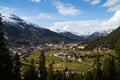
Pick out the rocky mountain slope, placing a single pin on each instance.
(19, 32)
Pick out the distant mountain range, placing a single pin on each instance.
(19, 32)
(99, 34)
(85, 37)
(73, 36)
(108, 41)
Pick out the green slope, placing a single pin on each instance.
(108, 41)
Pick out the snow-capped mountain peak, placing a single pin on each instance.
(12, 18)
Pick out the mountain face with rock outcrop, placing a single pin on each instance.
(19, 32)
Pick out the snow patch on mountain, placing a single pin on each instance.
(15, 20)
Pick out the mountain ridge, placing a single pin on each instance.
(20, 32)
(108, 41)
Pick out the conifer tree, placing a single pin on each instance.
(117, 49)
(31, 73)
(58, 75)
(109, 72)
(98, 70)
(17, 65)
(6, 64)
(42, 67)
(105, 69)
(50, 72)
(89, 75)
(98, 64)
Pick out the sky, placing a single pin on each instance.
(78, 16)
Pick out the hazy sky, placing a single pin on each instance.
(78, 16)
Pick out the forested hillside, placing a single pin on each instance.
(108, 41)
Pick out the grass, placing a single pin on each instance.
(50, 58)
(77, 66)
(74, 65)
(34, 55)
(58, 63)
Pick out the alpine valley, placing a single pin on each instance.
(19, 32)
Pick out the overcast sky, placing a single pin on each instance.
(78, 16)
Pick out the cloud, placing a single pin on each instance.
(93, 2)
(45, 16)
(113, 22)
(87, 26)
(87, 0)
(28, 18)
(66, 9)
(110, 3)
(39, 16)
(114, 8)
(36, 1)
(6, 10)
(113, 5)
(65, 28)
(79, 27)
